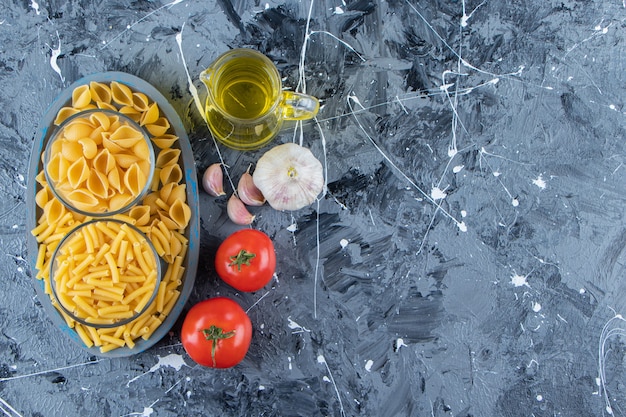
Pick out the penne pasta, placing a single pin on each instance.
(121, 254)
(170, 304)
(118, 240)
(143, 301)
(128, 339)
(109, 347)
(152, 326)
(115, 273)
(105, 295)
(104, 249)
(93, 333)
(41, 256)
(160, 298)
(84, 336)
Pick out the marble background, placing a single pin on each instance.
(466, 258)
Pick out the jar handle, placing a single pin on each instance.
(298, 106)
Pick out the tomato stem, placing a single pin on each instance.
(242, 258)
(215, 334)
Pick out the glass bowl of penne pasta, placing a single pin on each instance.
(99, 162)
(104, 275)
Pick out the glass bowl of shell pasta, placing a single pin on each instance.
(99, 162)
(105, 279)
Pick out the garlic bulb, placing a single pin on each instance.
(289, 176)
(237, 211)
(248, 193)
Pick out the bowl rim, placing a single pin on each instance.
(119, 323)
(52, 184)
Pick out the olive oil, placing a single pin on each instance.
(245, 90)
(245, 105)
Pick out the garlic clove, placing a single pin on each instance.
(213, 180)
(248, 193)
(237, 211)
(289, 176)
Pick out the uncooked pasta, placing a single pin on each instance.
(115, 172)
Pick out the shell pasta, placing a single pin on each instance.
(107, 274)
(98, 162)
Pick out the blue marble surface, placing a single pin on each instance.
(467, 257)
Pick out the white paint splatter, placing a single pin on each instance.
(356, 100)
(536, 307)
(351, 99)
(446, 87)
(130, 26)
(539, 182)
(612, 328)
(292, 324)
(496, 174)
(6, 407)
(295, 326)
(403, 109)
(47, 371)
(539, 397)
(321, 359)
(196, 98)
(292, 227)
(463, 213)
(467, 17)
(53, 59)
(400, 343)
(172, 360)
(519, 280)
(147, 412)
(515, 202)
(462, 226)
(344, 242)
(35, 6)
(190, 84)
(338, 10)
(368, 365)
(458, 168)
(437, 194)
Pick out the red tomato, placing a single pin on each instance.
(246, 260)
(216, 333)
